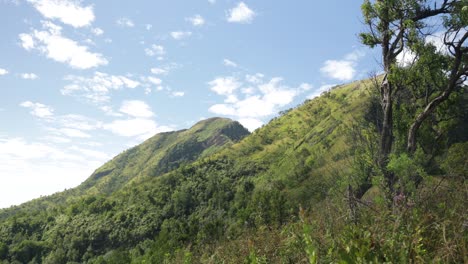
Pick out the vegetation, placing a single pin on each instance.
(335, 180)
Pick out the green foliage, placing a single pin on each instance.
(240, 203)
(455, 163)
(408, 170)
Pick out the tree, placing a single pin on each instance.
(454, 45)
(390, 24)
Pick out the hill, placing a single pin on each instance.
(162, 153)
(157, 155)
(278, 195)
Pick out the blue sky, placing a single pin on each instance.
(82, 81)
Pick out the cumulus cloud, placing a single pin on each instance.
(229, 63)
(250, 123)
(241, 14)
(178, 35)
(62, 127)
(159, 71)
(3, 72)
(96, 89)
(97, 31)
(178, 94)
(27, 41)
(141, 128)
(125, 22)
(255, 78)
(254, 102)
(196, 20)
(41, 168)
(154, 80)
(136, 108)
(224, 85)
(38, 109)
(78, 122)
(155, 50)
(73, 133)
(91, 153)
(67, 11)
(165, 69)
(29, 76)
(343, 70)
(53, 45)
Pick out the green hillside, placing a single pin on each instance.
(279, 195)
(157, 155)
(162, 153)
(282, 163)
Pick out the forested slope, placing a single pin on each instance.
(280, 195)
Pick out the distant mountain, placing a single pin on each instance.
(157, 155)
(162, 153)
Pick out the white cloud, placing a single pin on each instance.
(125, 22)
(137, 127)
(38, 109)
(196, 20)
(78, 122)
(97, 31)
(254, 79)
(148, 26)
(229, 63)
(355, 55)
(165, 69)
(37, 168)
(96, 89)
(261, 101)
(159, 71)
(339, 69)
(178, 35)
(27, 41)
(305, 86)
(3, 72)
(155, 81)
(155, 50)
(241, 14)
(73, 133)
(29, 76)
(91, 153)
(223, 109)
(250, 123)
(345, 69)
(224, 85)
(406, 58)
(68, 12)
(136, 108)
(212, 1)
(53, 45)
(178, 94)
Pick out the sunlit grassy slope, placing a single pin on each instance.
(260, 181)
(162, 153)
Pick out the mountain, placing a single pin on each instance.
(162, 153)
(157, 155)
(278, 195)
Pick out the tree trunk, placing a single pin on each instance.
(386, 136)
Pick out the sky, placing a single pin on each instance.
(83, 81)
